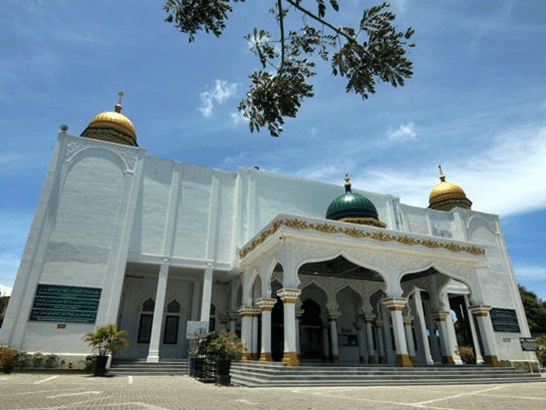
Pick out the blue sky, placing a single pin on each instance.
(476, 103)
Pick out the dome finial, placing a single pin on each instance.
(442, 176)
(118, 107)
(347, 182)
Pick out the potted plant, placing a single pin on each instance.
(106, 340)
(221, 348)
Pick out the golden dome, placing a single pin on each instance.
(112, 126)
(447, 195)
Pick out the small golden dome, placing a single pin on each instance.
(447, 195)
(112, 126)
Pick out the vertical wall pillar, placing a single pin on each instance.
(266, 306)
(481, 313)
(299, 312)
(233, 316)
(289, 298)
(382, 356)
(475, 340)
(155, 340)
(361, 328)
(332, 318)
(408, 320)
(255, 355)
(445, 345)
(422, 327)
(369, 338)
(207, 293)
(325, 337)
(246, 331)
(396, 306)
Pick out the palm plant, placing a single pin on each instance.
(107, 339)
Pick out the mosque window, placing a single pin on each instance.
(172, 319)
(146, 319)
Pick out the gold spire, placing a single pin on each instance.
(442, 176)
(118, 106)
(347, 182)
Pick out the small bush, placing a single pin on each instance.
(6, 359)
(22, 359)
(37, 359)
(51, 361)
(466, 353)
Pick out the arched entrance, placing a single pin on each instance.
(311, 331)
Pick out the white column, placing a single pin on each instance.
(408, 320)
(246, 331)
(453, 340)
(289, 298)
(481, 313)
(445, 345)
(332, 318)
(475, 340)
(361, 329)
(381, 353)
(254, 343)
(207, 293)
(396, 306)
(299, 312)
(369, 337)
(422, 327)
(233, 316)
(266, 306)
(157, 323)
(325, 337)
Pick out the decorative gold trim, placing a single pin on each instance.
(290, 359)
(492, 360)
(448, 360)
(403, 360)
(356, 233)
(371, 359)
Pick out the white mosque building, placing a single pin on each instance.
(304, 271)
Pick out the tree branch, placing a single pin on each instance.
(281, 24)
(317, 18)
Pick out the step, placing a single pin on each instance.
(260, 374)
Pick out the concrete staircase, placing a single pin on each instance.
(139, 367)
(259, 374)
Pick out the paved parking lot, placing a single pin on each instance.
(44, 391)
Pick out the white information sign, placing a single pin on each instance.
(195, 329)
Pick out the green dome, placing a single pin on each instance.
(352, 207)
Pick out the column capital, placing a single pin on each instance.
(441, 315)
(480, 310)
(299, 312)
(367, 317)
(224, 318)
(266, 304)
(233, 315)
(395, 304)
(248, 311)
(289, 295)
(408, 320)
(331, 316)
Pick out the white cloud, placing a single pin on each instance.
(221, 92)
(405, 132)
(506, 179)
(238, 118)
(530, 272)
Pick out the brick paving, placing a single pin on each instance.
(46, 391)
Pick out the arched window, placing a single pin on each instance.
(146, 319)
(172, 319)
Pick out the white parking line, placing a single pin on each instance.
(73, 394)
(46, 380)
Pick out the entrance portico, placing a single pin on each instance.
(367, 260)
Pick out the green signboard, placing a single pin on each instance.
(65, 304)
(504, 320)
